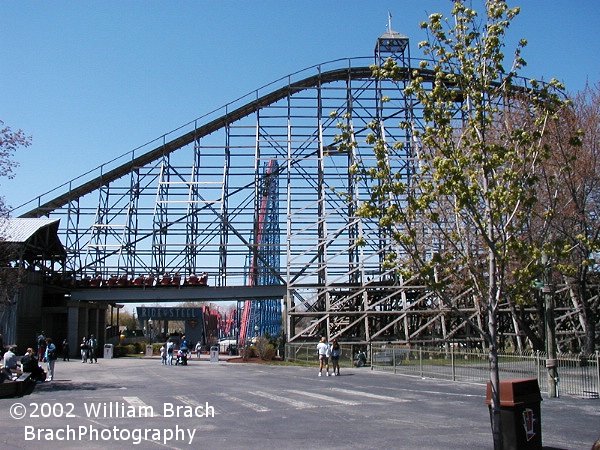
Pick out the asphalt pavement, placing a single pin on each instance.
(140, 404)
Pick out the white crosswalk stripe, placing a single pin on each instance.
(295, 403)
(139, 404)
(187, 400)
(337, 396)
(369, 395)
(326, 398)
(245, 403)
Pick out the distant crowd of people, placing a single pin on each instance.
(89, 349)
(46, 352)
(30, 360)
(172, 354)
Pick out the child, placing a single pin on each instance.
(163, 355)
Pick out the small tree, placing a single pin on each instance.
(10, 141)
(458, 220)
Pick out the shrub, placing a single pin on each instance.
(124, 350)
(140, 347)
(264, 349)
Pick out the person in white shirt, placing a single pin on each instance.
(323, 352)
(170, 350)
(10, 363)
(163, 355)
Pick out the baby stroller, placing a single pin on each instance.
(181, 358)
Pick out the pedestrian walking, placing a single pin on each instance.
(84, 350)
(41, 345)
(336, 352)
(198, 349)
(170, 348)
(92, 344)
(66, 350)
(50, 357)
(323, 353)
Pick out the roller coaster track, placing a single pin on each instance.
(344, 302)
(203, 130)
(347, 73)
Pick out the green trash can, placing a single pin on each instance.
(520, 413)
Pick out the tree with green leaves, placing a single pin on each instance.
(571, 185)
(458, 221)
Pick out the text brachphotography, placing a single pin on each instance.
(93, 433)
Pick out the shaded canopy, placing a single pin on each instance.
(31, 240)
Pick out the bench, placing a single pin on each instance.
(23, 385)
(26, 384)
(8, 389)
(24, 377)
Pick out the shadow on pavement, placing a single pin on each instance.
(68, 385)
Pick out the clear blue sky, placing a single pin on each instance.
(90, 80)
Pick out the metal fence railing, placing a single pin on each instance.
(578, 376)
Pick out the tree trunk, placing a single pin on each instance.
(590, 330)
(494, 379)
(493, 293)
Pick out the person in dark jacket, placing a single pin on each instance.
(336, 352)
(66, 350)
(41, 346)
(29, 363)
(92, 344)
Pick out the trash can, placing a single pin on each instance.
(214, 353)
(108, 351)
(520, 413)
(149, 351)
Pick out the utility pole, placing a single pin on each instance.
(548, 293)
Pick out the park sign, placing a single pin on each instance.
(168, 313)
